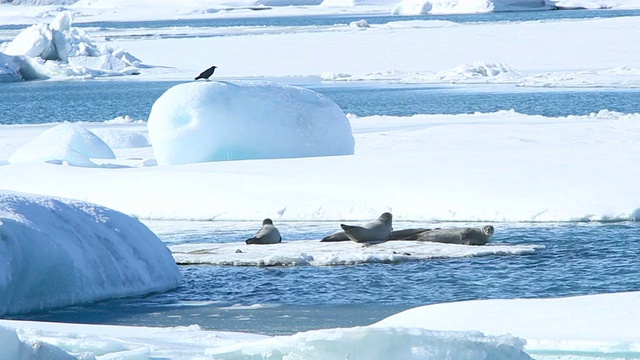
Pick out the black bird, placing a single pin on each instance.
(206, 74)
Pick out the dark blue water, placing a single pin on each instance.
(263, 19)
(578, 259)
(55, 101)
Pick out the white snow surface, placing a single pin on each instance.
(64, 143)
(501, 166)
(604, 325)
(581, 327)
(214, 120)
(316, 253)
(418, 7)
(57, 252)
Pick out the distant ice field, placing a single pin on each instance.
(573, 258)
(97, 101)
(263, 19)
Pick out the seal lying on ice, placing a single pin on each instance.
(464, 236)
(405, 234)
(268, 234)
(374, 232)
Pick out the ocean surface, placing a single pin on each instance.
(38, 102)
(263, 19)
(577, 258)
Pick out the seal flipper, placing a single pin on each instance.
(251, 241)
(407, 234)
(350, 231)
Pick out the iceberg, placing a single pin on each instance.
(57, 252)
(9, 69)
(238, 120)
(58, 49)
(64, 143)
(419, 7)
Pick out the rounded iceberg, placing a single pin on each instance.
(238, 120)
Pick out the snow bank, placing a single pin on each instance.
(62, 50)
(376, 343)
(478, 72)
(418, 7)
(399, 157)
(121, 139)
(602, 326)
(235, 120)
(64, 143)
(592, 326)
(57, 252)
(316, 253)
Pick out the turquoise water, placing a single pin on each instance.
(577, 259)
(55, 101)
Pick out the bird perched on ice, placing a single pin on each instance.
(206, 74)
(268, 234)
(374, 232)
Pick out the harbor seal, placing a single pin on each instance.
(374, 232)
(464, 236)
(268, 234)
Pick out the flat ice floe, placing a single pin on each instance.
(492, 167)
(316, 253)
(623, 77)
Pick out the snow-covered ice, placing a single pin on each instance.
(212, 121)
(417, 7)
(604, 325)
(61, 252)
(501, 166)
(9, 69)
(582, 327)
(60, 50)
(316, 253)
(64, 143)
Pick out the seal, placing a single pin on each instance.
(463, 236)
(268, 234)
(405, 234)
(374, 232)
